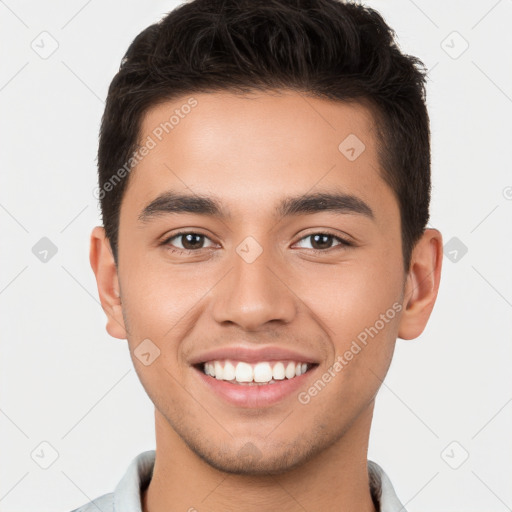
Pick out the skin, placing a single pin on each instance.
(250, 152)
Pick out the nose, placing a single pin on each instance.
(253, 294)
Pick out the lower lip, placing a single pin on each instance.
(258, 395)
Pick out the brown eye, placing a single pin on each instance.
(324, 241)
(321, 241)
(190, 241)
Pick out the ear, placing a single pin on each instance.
(105, 270)
(422, 284)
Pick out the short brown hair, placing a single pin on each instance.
(324, 48)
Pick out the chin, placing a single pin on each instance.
(251, 461)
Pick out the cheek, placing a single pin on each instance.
(160, 300)
(359, 307)
(158, 306)
(350, 298)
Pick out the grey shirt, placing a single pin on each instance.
(127, 494)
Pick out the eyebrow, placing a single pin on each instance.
(340, 203)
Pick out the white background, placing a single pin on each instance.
(66, 382)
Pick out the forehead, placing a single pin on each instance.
(252, 148)
(286, 120)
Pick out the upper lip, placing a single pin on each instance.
(252, 355)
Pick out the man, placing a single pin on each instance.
(264, 177)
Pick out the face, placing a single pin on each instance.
(255, 266)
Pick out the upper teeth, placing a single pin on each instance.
(259, 372)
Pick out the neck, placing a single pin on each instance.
(337, 479)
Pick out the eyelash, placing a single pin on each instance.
(343, 242)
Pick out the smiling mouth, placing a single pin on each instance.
(254, 374)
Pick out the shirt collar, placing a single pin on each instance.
(127, 494)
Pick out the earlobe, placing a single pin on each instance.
(105, 270)
(422, 284)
